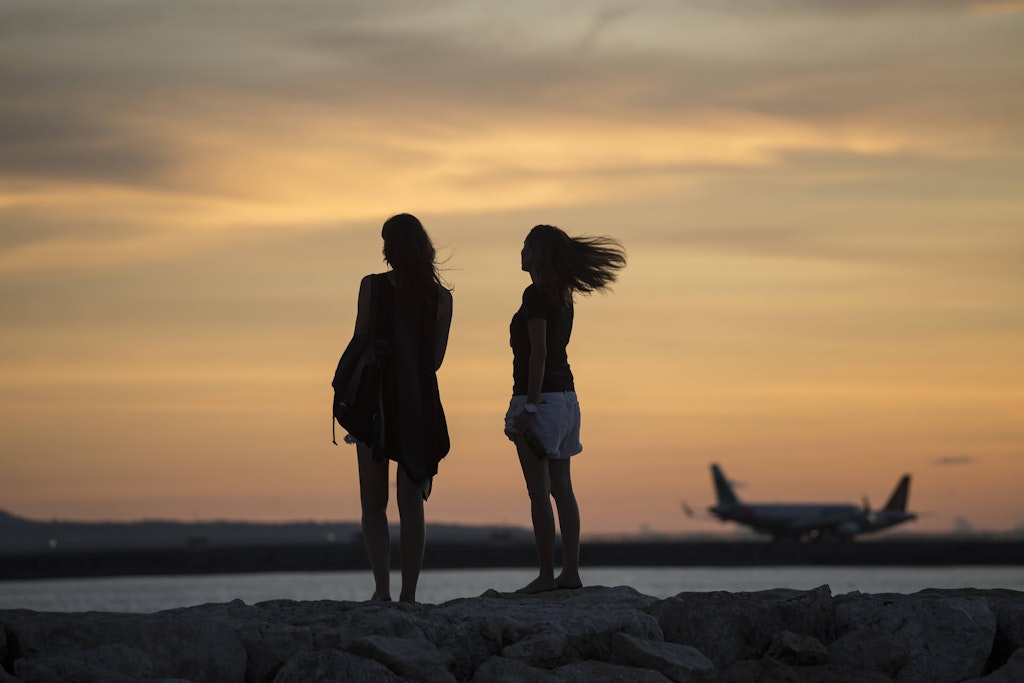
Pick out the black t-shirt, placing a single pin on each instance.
(557, 375)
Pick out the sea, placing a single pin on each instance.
(146, 594)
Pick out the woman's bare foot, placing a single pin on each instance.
(569, 580)
(541, 584)
(379, 596)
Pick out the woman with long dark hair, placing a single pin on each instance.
(413, 316)
(543, 418)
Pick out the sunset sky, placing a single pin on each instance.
(822, 205)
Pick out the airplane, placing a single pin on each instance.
(808, 520)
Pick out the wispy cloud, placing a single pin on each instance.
(955, 460)
(142, 131)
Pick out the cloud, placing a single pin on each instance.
(604, 20)
(997, 6)
(460, 62)
(207, 117)
(955, 460)
(64, 144)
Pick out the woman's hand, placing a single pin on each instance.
(520, 424)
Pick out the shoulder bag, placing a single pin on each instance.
(358, 399)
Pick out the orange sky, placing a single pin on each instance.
(821, 206)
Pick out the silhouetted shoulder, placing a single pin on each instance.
(364, 304)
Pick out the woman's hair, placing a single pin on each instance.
(566, 265)
(410, 253)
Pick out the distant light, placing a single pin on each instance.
(52, 543)
(331, 538)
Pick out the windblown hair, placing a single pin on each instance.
(567, 265)
(411, 255)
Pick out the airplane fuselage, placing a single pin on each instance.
(789, 520)
(808, 520)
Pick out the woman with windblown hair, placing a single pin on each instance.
(414, 313)
(543, 418)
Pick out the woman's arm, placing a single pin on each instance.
(444, 324)
(364, 303)
(538, 331)
(537, 328)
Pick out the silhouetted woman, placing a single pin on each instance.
(543, 417)
(414, 313)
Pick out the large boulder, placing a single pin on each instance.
(1008, 606)
(413, 658)
(502, 670)
(333, 665)
(603, 672)
(679, 663)
(947, 639)
(95, 646)
(770, 670)
(797, 648)
(1011, 672)
(728, 627)
(545, 649)
(878, 651)
(522, 627)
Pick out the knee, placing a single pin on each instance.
(373, 502)
(410, 502)
(410, 496)
(539, 492)
(562, 492)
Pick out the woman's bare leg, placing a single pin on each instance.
(568, 522)
(535, 472)
(413, 536)
(373, 494)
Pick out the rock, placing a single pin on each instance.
(770, 670)
(98, 646)
(797, 648)
(333, 665)
(593, 634)
(116, 663)
(415, 659)
(761, 670)
(1011, 672)
(501, 670)
(869, 650)
(546, 650)
(471, 630)
(1008, 606)
(603, 672)
(728, 627)
(680, 663)
(269, 639)
(947, 639)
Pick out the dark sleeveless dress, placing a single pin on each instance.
(415, 429)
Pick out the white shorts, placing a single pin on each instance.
(556, 424)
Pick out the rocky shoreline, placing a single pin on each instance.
(593, 634)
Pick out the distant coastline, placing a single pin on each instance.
(449, 555)
(59, 549)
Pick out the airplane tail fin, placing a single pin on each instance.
(722, 488)
(898, 500)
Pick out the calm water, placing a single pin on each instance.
(151, 594)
